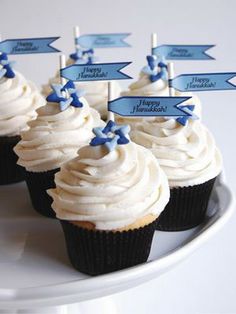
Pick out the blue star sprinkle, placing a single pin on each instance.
(77, 55)
(152, 68)
(6, 67)
(83, 56)
(188, 109)
(111, 136)
(91, 58)
(66, 95)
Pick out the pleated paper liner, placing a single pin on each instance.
(38, 183)
(187, 207)
(10, 172)
(95, 252)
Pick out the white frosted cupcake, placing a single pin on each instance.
(62, 126)
(190, 159)
(19, 100)
(96, 92)
(108, 200)
(184, 148)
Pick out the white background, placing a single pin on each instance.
(206, 282)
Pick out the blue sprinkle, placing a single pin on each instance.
(111, 135)
(58, 95)
(183, 120)
(153, 65)
(6, 70)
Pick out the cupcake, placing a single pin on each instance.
(189, 157)
(153, 82)
(96, 92)
(19, 99)
(108, 200)
(185, 150)
(63, 125)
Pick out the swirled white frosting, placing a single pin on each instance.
(55, 136)
(187, 154)
(19, 99)
(144, 87)
(96, 93)
(111, 190)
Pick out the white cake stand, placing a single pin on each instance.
(35, 273)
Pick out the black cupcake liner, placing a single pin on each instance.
(187, 207)
(10, 172)
(38, 183)
(96, 252)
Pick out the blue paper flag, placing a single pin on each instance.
(28, 45)
(203, 81)
(102, 40)
(183, 52)
(95, 72)
(149, 106)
